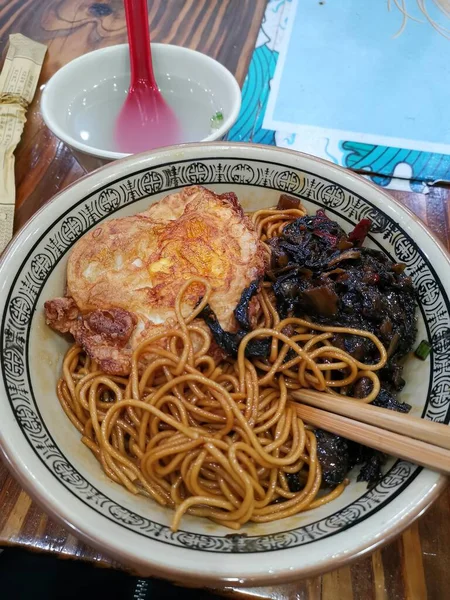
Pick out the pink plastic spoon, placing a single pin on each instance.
(146, 121)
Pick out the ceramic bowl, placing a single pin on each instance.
(44, 449)
(80, 103)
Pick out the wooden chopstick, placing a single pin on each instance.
(437, 434)
(395, 444)
(421, 453)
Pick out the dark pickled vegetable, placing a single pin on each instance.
(352, 287)
(387, 400)
(333, 455)
(241, 312)
(371, 469)
(391, 375)
(294, 482)
(337, 456)
(322, 299)
(321, 273)
(312, 241)
(358, 235)
(287, 202)
(229, 342)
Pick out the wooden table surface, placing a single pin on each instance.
(416, 565)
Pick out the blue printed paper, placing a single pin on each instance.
(330, 78)
(344, 71)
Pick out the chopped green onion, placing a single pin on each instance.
(216, 120)
(423, 350)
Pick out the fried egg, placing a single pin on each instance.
(137, 265)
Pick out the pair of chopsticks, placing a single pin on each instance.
(417, 440)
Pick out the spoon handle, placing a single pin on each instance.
(136, 14)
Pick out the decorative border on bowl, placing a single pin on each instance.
(85, 214)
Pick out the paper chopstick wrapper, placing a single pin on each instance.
(18, 81)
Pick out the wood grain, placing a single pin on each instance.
(413, 571)
(415, 566)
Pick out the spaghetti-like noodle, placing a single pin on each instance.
(271, 222)
(440, 5)
(217, 439)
